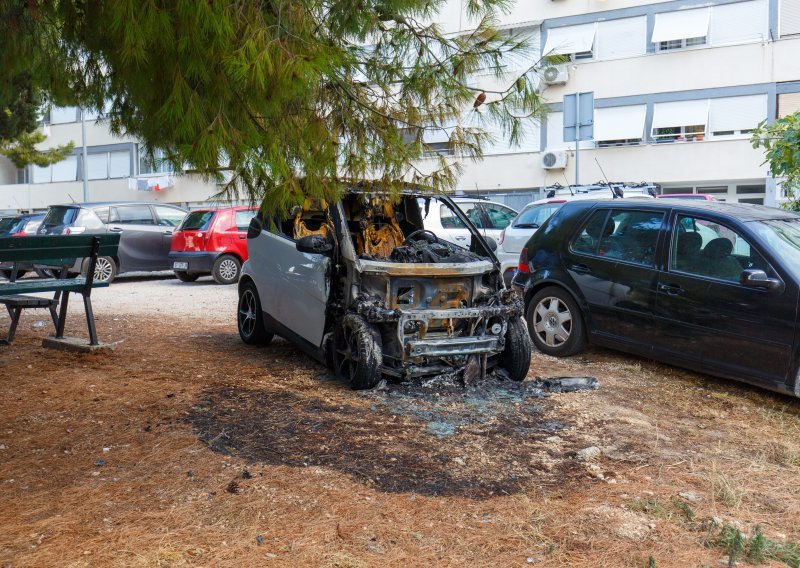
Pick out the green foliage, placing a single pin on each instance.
(756, 548)
(279, 91)
(22, 150)
(781, 142)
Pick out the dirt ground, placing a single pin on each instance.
(184, 447)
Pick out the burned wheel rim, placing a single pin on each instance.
(228, 269)
(347, 354)
(247, 313)
(552, 321)
(103, 269)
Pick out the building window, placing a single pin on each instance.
(619, 126)
(680, 121)
(159, 165)
(433, 149)
(575, 41)
(681, 29)
(63, 115)
(65, 170)
(109, 165)
(736, 116)
(681, 43)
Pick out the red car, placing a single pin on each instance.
(211, 241)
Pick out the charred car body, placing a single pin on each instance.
(362, 286)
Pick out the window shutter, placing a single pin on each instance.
(739, 22)
(788, 103)
(625, 37)
(680, 113)
(119, 164)
(681, 24)
(737, 113)
(619, 123)
(66, 170)
(98, 166)
(569, 39)
(790, 17)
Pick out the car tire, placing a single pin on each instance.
(105, 269)
(7, 273)
(358, 353)
(226, 269)
(516, 357)
(250, 317)
(184, 276)
(555, 323)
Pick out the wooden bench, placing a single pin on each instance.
(59, 252)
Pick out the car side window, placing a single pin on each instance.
(706, 247)
(169, 217)
(631, 236)
(626, 235)
(449, 219)
(102, 213)
(132, 215)
(588, 239)
(243, 219)
(499, 215)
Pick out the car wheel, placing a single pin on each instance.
(184, 276)
(358, 352)
(7, 274)
(250, 318)
(555, 323)
(105, 269)
(226, 269)
(516, 357)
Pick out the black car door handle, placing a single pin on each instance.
(580, 268)
(671, 289)
(168, 233)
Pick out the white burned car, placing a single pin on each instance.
(364, 286)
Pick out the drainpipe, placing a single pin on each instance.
(85, 163)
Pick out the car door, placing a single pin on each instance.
(169, 219)
(242, 220)
(293, 286)
(707, 317)
(612, 260)
(140, 242)
(453, 229)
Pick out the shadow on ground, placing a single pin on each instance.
(435, 439)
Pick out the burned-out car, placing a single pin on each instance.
(363, 286)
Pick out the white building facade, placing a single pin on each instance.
(678, 87)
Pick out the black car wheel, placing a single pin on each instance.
(555, 323)
(516, 356)
(184, 276)
(250, 318)
(358, 353)
(226, 269)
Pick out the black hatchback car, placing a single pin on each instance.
(705, 285)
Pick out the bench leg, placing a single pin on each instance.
(87, 303)
(52, 309)
(62, 316)
(15, 313)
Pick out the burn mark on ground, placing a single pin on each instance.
(441, 439)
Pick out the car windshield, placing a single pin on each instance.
(782, 237)
(536, 215)
(58, 216)
(197, 221)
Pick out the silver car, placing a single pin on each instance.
(365, 286)
(145, 233)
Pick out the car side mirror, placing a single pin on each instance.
(491, 242)
(314, 244)
(756, 278)
(254, 228)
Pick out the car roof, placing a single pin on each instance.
(92, 204)
(232, 208)
(741, 211)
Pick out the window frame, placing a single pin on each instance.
(673, 243)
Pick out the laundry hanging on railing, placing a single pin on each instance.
(156, 183)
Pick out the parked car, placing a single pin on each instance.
(488, 217)
(706, 285)
(19, 226)
(211, 241)
(145, 233)
(514, 237)
(698, 196)
(365, 286)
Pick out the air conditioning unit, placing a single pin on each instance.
(554, 159)
(555, 75)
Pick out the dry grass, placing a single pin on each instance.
(662, 432)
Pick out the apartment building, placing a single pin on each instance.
(678, 88)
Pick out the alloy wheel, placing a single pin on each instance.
(103, 269)
(247, 313)
(552, 321)
(228, 269)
